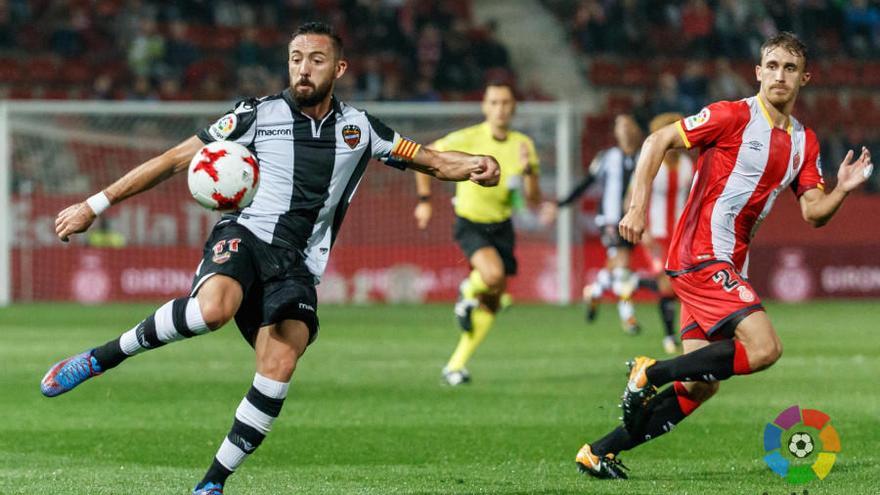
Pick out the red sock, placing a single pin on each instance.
(740, 359)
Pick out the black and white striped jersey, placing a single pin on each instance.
(309, 169)
(613, 169)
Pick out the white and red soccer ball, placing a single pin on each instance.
(223, 175)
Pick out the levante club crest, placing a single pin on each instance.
(351, 134)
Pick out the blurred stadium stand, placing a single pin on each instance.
(426, 50)
(648, 57)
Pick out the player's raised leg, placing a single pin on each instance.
(755, 347)
(665, 410)
(489, 272)
(185, 317)
(278, 348)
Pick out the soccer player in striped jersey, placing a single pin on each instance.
(613, 169)
(261, 264)
(751, 151)
(483, 228)
(669, 194)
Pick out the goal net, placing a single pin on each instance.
(146, 248)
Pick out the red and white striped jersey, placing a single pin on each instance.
(669, 193)
(745, 163)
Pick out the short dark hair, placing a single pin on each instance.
(500, 83)
(789, 41)
(323, 29)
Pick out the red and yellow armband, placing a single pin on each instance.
(405, 150)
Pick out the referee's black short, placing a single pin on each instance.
(276, 283)
(472, 236)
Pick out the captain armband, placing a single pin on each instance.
(405, 150)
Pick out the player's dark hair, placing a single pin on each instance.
(322, 29)
(500, 83)
(789, 41)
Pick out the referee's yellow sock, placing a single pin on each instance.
(469, 341)
(473, 286)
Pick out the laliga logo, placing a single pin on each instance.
(800, 445)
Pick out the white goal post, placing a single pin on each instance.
(52, 153)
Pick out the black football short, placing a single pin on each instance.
(611, 238)
(276, 283)
(472, 236)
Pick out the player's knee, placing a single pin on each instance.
(215, 313)
(494, 279)
(764, 356)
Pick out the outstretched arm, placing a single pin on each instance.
(78, 217)
(457, 166)
(817, 208)
(651, 157)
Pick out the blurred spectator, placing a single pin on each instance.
(667, 98)
(693, 87)
(630, 27)
(731, 20)
(489, 51)
(370, 80)
(146, 50)
(141, 89)
(179, 50)
(249, 52)
(590, 27)
(727, 84)
(862, 22)
(424, 91)
(102, 88)
(697, 22)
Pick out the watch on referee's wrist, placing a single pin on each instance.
(424, 198)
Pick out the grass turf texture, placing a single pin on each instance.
(367, 413)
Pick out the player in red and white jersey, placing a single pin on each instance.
(750, 152)
(669, 194)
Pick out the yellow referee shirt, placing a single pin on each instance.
(515, 154)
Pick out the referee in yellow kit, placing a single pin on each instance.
(483, 228)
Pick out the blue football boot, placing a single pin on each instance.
(64, 375)
(208, 489)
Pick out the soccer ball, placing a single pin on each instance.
(223, 176)
(800, 445)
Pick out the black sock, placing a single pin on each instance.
(664, 413)
(612, 443)
(711, 363)
(667, 313)
(109, 355)
(216, 474)
(648, 283)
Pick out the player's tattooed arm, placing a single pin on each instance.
(457, 166)
(817, 207)
(78, 217)
(651, 157)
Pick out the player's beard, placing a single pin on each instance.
(316, 96)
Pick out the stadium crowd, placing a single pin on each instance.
(652, 57)
(426, 50)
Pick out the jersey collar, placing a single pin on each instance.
(766, 113)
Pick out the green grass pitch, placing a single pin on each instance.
(367, 413)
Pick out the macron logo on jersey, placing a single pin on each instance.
(697, 120)
(274, 131)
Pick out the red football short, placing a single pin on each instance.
(714, 299)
